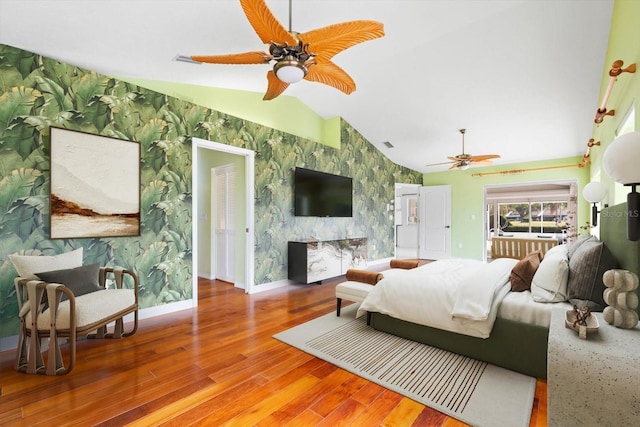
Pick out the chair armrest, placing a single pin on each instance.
(31, 299)
(119, 274)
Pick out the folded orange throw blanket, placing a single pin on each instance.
(403, 263)
(364, 276)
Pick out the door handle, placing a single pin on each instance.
(447, 226)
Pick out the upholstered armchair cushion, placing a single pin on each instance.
(91, 308)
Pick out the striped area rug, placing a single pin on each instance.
(472, 391)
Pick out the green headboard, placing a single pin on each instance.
(613, 232)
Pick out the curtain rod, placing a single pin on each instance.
(521, 171)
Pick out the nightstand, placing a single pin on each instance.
(593, 382)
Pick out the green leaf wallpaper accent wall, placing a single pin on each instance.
(37, 92)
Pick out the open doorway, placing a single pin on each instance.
(207, 156)
(406, 220)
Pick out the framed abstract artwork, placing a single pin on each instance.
(95, 186)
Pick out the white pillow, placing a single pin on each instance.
(549, 283)
(558, 250)
(28, 266)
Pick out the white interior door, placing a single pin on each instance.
(224, 224)
(435, 222)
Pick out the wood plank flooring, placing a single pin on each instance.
(215, 365)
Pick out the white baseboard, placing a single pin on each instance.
(271, 285)
(11, 343)
(159, 310)
(8, 343)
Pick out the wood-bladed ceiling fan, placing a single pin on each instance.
(463, 161)
(298, 56)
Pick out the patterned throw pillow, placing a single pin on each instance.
(573, 247)
(586, 267)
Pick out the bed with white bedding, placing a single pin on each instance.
(458, 295)
(432, 304)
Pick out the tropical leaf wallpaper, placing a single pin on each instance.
(38, 92)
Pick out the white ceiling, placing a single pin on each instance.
(522, 76)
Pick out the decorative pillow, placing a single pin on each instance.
(558, 250)
(403, 263)
(524, 270)
(80, 280)
(586, 267)
(28, 266)
(363, 276)
(549, 284)
(573, 247)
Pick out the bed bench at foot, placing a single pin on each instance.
(52, 310)
(360, 282)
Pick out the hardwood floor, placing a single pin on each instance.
(215, 365)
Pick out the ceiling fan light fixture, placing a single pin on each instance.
(290, 70)
(463, 167)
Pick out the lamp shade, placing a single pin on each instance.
(289, 70)
(620, 161)
(594, 192)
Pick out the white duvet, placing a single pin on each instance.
(457, 295)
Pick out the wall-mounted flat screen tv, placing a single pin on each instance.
(322, 194)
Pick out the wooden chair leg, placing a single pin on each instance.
(22, 350)
(118, 328)
(35, 360)
(135, 325)
(338, 304)
(55, 364)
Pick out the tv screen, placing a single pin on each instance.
(322, 194)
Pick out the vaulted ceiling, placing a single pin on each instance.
(522, 76)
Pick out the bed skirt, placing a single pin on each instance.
(512, 345)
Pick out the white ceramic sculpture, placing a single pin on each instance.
(621, 297)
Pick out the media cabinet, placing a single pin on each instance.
(316, 260)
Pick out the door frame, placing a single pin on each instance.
(249, 163)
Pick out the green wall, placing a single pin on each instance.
(624, 44)
(37, 92)
(467, 197)
(467, 191)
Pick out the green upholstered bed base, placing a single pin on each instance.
(513, 345)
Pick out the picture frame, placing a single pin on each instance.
(95, 186)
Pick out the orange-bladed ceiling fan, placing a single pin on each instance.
(463, 161)
(298, 56)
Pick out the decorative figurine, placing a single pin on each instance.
(621, 297)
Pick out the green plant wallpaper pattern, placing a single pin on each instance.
(37, 92)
